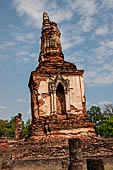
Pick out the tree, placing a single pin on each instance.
(108, 111)
(3, 127)
(7, 128)
(25, 128)
(103, 120)
(106, 128)
(95, 116)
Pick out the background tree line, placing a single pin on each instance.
(103, 122)
(7, 128)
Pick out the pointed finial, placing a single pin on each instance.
(50, 40)
(45, 16)
(46, 21)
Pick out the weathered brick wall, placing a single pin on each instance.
(3, 146)
(75, 154)
(67, 126)
(51, 151)
(42, 164)
(18, 127)
(55, 151)
(97, 147)
(39, 81)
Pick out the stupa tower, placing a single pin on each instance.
(58, 102)
(50, 41)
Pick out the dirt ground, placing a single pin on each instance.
(107, 166)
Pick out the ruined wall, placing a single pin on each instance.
(18, 127)
(57, 153)
(76, 94)
(45, 154)
(49, 164)
(4, 147)
(41, 100)
(44, 97)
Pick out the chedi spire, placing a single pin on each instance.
(50, 41)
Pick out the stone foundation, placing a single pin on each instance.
(56, 152)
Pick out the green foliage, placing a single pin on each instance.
(95, 116)
(3, 127)
(106, 128)
(108, 111)
(25, 128)
(7, 128)
(103, 120)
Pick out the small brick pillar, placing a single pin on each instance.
(95, 164)
(18, 126)
(75, 154)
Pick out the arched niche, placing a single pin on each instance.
(60, 99)
(59, 95)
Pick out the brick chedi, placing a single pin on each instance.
(58, 102)
(60, 135)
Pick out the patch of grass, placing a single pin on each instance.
(0, 162)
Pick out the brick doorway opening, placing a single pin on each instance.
(60, 99)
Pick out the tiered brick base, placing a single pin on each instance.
(65, 126)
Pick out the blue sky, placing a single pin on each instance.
(87, 40)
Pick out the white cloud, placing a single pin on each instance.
(94, 104)
(23, 56)
(99, 75)
(22, 53)
(4, 56)
(29, 112)
(104, 102)
(25, 37)
(33, 9)
(2, 107)
(105, 49)
(97, 72)
(107, 4)
(70, 38)
(88, 24)
(60, 14)
(108, 66)
(20, 100)
(102, 30)
(6, 44)
(85, 8)
(69, 41)
(26, 59)
(34, 55)
(103, 78)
